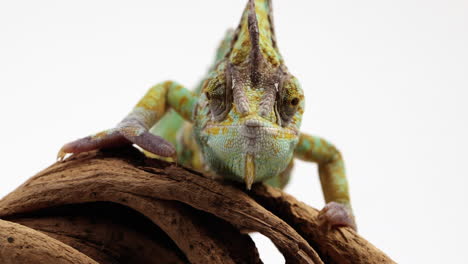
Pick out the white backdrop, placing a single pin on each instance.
(386, 81)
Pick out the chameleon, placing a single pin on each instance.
(241, 122)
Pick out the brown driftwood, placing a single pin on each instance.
(20, 244)
(118, 206)
(106, 232)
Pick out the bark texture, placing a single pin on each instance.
(118, 206)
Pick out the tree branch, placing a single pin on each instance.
(20, 244)
(202, 217)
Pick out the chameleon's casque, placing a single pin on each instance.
(242, 122)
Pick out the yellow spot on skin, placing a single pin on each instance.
(154, 156)
(130, 131)
(229, 143)
(183, 100)
(257, 97)
(99, 135)
(249, 171)
(213, 130)
(166, 84)
(228, 121)
(285, 135)
(153, 99)
(275, 149)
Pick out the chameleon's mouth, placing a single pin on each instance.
(249, 152)
(249, 175)
(253, 131)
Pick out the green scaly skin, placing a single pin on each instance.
(241, 123)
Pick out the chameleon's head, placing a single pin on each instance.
(251, 107)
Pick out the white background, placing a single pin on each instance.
(386, 81)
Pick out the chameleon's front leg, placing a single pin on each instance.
(134, 128)
(337, 211)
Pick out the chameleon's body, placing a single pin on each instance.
(242, 122)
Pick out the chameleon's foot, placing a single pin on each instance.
(124, 134)
(335, 214)
(106, 139)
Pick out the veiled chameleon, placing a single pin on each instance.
(242, 121)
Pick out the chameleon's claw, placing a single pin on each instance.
(335, 215)
(66, 149)
(106, 139)
(73, 147)
(61, 155)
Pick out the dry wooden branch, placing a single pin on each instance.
(20, 244)
(106, 232)
(171, 214)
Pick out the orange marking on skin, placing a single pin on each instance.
(166, 84)
(285, 135)
(100, 135)
(213, 130)
(275, 149)
(229, 143)
(269, 54)
(130, 131)
(257, 97)
(242, 46)
(249, 170)
(183, 100)
(245, 44)
(152, 100)
(228, 120)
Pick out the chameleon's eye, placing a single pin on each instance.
(290, 96)
(287, 108)
(219, 98)
(294, 101)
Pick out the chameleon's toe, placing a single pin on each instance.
(150, 142)
(106, 139)
(75, 147)
(335, 215)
